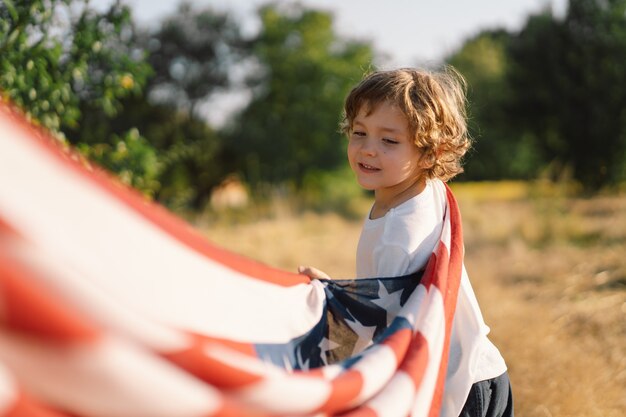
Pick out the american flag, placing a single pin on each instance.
(111, 306)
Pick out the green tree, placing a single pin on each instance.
(192, 53)
(56, 54)
(58, 57)
(187, 148)
(304, 70)
(498, 150)
(568, 79)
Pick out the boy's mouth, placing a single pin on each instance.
(368, 168)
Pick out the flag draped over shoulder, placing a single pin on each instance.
(111, 306)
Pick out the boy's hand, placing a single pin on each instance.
(312, 273)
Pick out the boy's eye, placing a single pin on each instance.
(358, 133)
(390, 141)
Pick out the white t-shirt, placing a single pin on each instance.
(401, 242)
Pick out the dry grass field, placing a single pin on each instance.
(549, 272)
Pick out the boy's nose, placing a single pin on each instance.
(368, 148)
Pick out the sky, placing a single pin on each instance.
(408, 32)
(404, 32)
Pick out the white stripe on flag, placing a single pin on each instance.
(432, 326)
(278, 391)
(287, 394)
(377, 367)
(84, 299)
(110, 378)
(135, 262)
(411, 309)
(8, 390)
(396, 398)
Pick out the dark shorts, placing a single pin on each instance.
(490, 398)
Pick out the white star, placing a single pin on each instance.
(364, 333)
(304, 365)
(287, 364)
(325, 345)
(390, 302)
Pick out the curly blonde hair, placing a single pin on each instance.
(434, 105)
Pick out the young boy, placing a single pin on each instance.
(407, 134)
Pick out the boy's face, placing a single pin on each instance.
(381, 151)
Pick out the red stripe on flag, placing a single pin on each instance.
(399, 342)
(6, 229)
(28, 308)
(344, 389)
(450, 291)
(157, 215)
(430, 271)
(241, 347)
(361, 412)
(232, 409)
(25, 406)
(209, 369)
(441, 277)
(416, 359)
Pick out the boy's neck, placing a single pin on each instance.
(385, 200)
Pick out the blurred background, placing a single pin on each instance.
(227, 113)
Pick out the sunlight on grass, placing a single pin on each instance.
(491, 190)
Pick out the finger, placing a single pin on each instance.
(312, 272)
(308, 271)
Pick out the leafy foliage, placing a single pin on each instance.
(59, 58)
(303, 72)
(551, 97)
(498, 151)
(57, 54)
(568, 84)
(191, 54)
(131, 157)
